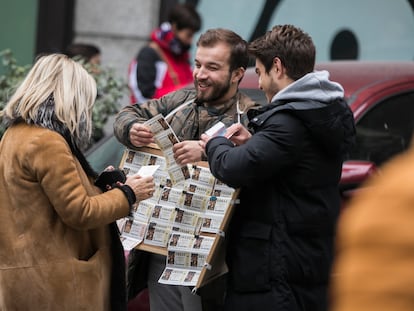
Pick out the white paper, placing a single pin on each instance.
(218, 129)
(147, 170)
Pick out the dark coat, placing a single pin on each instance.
(281, 236)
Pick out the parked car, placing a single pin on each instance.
(381, 96)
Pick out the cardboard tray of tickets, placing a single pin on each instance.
(186, 219)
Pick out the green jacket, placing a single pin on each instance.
(189, 121)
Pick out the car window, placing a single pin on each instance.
(256, 95)
(385, 130)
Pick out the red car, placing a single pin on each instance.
(381, 96)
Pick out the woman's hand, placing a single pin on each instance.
(143, 187)
(110, 177)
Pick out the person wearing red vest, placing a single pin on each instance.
(164, 65)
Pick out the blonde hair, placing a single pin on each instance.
(72, 88)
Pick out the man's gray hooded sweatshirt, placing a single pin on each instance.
(280, 240)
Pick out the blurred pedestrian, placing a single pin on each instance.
(60, 248)
(164, 65)
(280, 239)
(220, 62)
(88, 52)
(373, 269)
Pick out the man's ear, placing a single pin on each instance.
(279, 70)
(278, 67)
(238, 74)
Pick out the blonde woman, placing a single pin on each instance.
(60, 249)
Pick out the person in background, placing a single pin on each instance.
(373, 269)
(164, 65)
(60, 247)
(88, 52)
(280, 239)
(220, 61)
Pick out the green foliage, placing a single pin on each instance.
(110, 89)
(13, 75)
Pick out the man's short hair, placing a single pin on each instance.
(239, 56)
(291, 45)
(185, 16)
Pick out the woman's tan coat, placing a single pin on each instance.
(54, 239)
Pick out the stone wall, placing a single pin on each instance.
(118, 28)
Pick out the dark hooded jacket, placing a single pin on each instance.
(281, 234)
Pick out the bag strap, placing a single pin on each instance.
(173, 112)
(162, 55)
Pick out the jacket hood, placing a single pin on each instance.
(314, 86)
(319, 103)
(168, 42)
(163, 35)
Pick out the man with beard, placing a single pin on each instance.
(220, 62)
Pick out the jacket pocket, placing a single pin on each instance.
(250, 258)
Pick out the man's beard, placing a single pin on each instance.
(218, 91)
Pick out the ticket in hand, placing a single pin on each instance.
(147, 170)
(218, 129)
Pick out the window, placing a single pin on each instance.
(385, 130)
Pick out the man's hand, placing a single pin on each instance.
(238, 134)
(204, 139)
(188, 151)
(140, 135)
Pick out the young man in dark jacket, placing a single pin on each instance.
(220, 62)
(281, 236)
